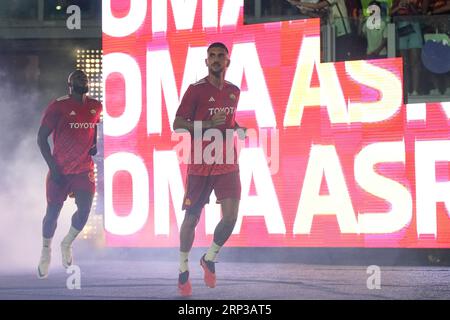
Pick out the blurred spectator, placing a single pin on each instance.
(433, 7)
(354, 8)
(336, 12)
(274, 8)
(313, 9)
(376, 33)
(436, 50)
(249, 10)
(269, 9)
(410, 41)
(277, 7)
(355, 14)
(385, 7)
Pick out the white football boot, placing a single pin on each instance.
(66, 254)
(44, 262)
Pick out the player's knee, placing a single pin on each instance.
(48, 219)
(83, 201)
(191, 219)
(84, 208)
(53, 209)
(83, 213)
(80, 218)
(49, 222)
(230, 220)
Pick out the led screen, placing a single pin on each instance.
(333, 158)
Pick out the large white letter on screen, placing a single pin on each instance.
(136, 219)
(128, 68)
(324, 162)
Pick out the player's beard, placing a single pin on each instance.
(216, 72)
(81, 89)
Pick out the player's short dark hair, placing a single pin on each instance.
(73, 73)
(218, 45)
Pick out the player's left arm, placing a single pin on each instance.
(237, 126)
(241, 131)
(93, 150)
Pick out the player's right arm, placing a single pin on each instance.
(186, 114)
(44, 146)
(47, 126)
(216, 120)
